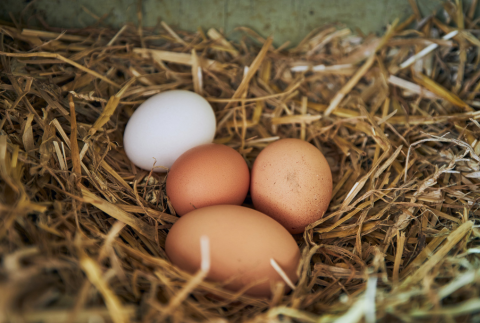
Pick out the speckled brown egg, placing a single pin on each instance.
(242, 243)
(206, 175)
(291, 182)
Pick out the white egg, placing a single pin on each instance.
(165, 126)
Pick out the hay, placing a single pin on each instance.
(83, 229)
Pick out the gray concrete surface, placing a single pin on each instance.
(285, 19)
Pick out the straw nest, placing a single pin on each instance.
(83, 230)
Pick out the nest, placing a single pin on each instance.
(83, 230)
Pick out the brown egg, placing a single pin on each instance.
(292, 183)
(242, 242)
(206, 175)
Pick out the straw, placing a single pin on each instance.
(83, 229)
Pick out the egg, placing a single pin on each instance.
(242, 243)
(167, 125)
(291, 182)
(207, 175)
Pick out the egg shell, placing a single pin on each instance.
(167, 125)
(291, 182)
(242, 242)
(207, 175)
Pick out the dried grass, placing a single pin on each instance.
(83, 230)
